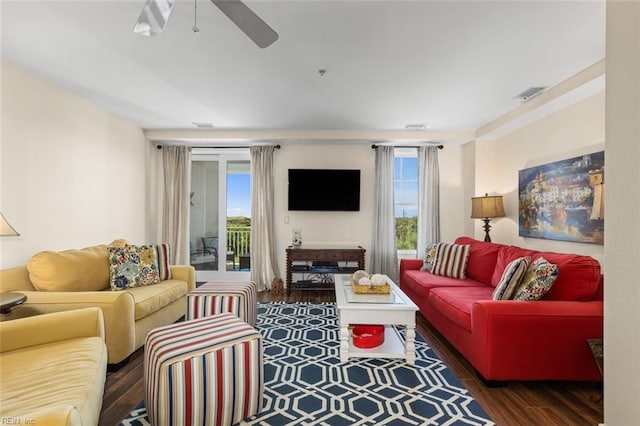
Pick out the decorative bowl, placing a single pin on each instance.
(367, 336)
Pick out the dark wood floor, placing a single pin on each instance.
(519, 403)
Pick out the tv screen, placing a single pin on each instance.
(324, 189)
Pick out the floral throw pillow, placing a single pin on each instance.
(511, 278)
(537, 281)
(132, 266)
(429, 257)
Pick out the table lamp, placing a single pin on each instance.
(485, 208)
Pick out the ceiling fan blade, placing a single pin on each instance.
(250, 23)
(154, 17)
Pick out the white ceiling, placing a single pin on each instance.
(453, 65)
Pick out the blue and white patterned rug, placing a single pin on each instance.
(306, 384)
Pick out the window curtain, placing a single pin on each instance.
(428, 198)
(384, 257)
(264, 265)
(176, 161)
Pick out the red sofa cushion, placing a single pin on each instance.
(482, 259)
(578, 275)
(506, 255)
(456, 303)
(422, 282)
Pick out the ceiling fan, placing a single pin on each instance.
(155, 14)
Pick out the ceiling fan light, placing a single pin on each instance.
(142, 28)
(154, 17)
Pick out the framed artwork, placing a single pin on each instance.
(563, 200)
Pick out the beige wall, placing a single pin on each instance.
(353, 228)
(622, 244)
(573, 131)
(72, 174)
(469, 176)
(453, 207)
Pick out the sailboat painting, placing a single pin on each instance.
(563, 200)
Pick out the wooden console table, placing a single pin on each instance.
(327, 254)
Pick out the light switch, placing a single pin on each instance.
(286, 219)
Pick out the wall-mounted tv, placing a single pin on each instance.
(324, 190)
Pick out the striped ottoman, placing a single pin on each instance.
(217, 297)
(203, 372)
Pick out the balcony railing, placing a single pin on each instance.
(239, 240)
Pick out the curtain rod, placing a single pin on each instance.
(374, 146)
(159, 146)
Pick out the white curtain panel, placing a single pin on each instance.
(264, 265)
(176, 161)
(428, 198)
(384, 258)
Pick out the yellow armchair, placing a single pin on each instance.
(53, 368)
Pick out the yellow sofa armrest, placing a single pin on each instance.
(185, 273)
(65, 415)
(15, 279)
(60, 416)
(118, 309)
(56, 327)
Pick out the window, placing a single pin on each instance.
(406, 200)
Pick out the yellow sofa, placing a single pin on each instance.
(53, 368)
(80, 274)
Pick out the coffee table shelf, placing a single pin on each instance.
(389, 310)
(391, 348)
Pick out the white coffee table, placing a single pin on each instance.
(389, 309)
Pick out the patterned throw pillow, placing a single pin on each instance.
(451, 260)
(429, 257)
(537, 281)
(132, 266)
(162, 256)
(511, 278)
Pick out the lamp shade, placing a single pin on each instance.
(487, 207)
(6, 229)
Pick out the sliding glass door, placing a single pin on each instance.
(220, 224)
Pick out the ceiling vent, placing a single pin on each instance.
(203, 125)
(415, 126)
(530, 93)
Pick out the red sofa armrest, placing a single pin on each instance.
(410, 264)
(536, 340)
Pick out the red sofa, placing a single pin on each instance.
(514, 340)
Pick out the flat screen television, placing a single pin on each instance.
(324, 190)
